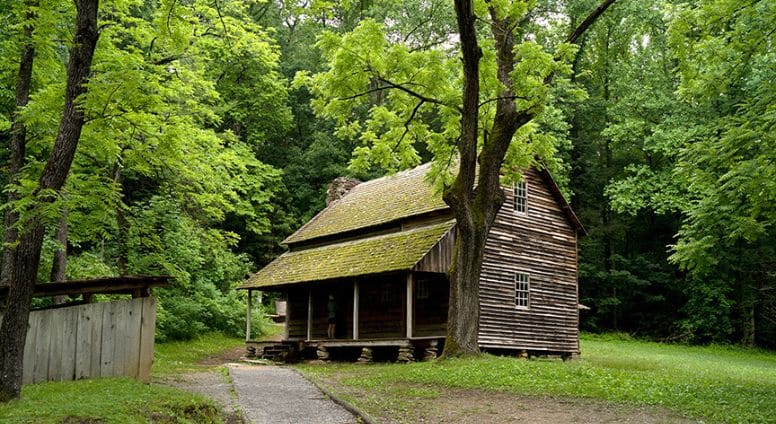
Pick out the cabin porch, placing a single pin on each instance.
(362, 350)
(374, 313)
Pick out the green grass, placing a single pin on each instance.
(176, 357)
(721, 384)
(106, 400)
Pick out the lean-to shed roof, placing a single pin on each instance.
(373, 255)
(373, 203)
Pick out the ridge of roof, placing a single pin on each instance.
(391, 198)
(374, 202)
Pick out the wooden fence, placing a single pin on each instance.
(107, 339)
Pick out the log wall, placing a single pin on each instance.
(108, 339)
(381, 308)
(540, 243)
(296, 313)
(431, 307)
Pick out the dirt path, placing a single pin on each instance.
(474, 407)
(398, 404)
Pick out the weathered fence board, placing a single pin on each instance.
(147, 329)
(40, 347)
(108, 336)
(93, 340)
(96, 340)
(29, 366)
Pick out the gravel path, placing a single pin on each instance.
(271, 394)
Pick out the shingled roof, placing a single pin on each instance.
(398, 251)
(373, 203)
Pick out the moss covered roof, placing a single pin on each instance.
(385, 253)
(373, 203)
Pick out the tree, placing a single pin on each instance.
(392, 94)
(167, 179)
(720, 168)
(626, 67)
(18, 135)
(24, 264)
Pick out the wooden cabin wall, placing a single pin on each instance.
(431, 310)
(440, 258)
(296, 313)
(381, 307)
(542, 244)
(343, 297)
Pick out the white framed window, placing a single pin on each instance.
(521, 196)
(522, 290)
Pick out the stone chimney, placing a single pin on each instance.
(340, 187)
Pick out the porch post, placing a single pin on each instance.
(410, 312)
(287, 331)
(355, 310)
(248, 316)
(309, 313)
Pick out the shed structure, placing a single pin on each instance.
(85, 339)
(375, 262)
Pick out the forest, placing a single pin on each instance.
(211, 129)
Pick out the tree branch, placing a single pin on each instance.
(413, 93)
(166, 60)
(223, 25)
(580, 30)
(364, 93)
(407, 123)
(496, 99)
(589, 21)
(169, 17)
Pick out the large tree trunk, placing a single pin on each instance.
(463, 313)
(476, 209)
(24, 265)
(18, 139)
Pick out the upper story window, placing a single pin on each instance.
(522, 290)
(521, 196)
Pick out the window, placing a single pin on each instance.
(423, 290)
(522, 290)
(521, 196)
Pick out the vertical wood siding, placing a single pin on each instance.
(542, 244)
(381, 308)
(110, 339)
(431, 312)
(296, 313)
(440, 258)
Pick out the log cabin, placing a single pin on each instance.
(370, 272)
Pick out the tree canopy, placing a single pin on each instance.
(211, 130)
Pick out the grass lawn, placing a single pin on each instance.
(108, 400)
(717, 384)
(176, 357)
(121, 400)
